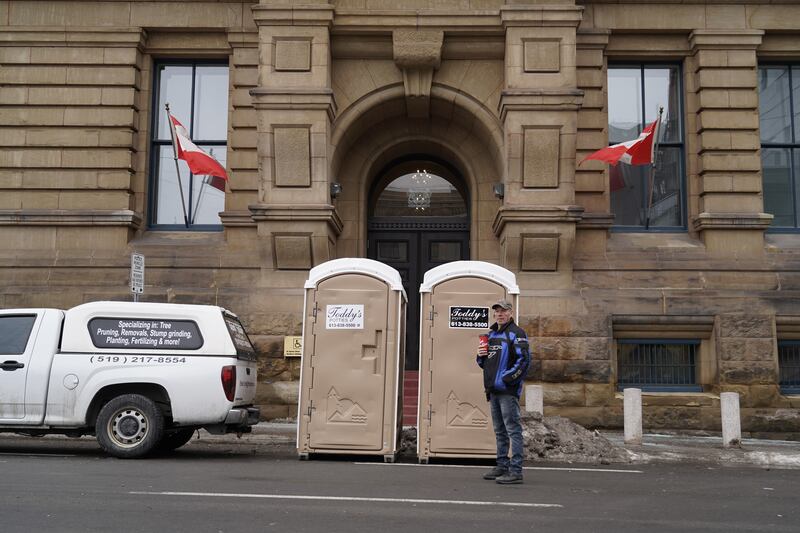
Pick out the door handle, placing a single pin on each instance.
(11, 365)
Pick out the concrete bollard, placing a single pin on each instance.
(633, 416)
(731, 422)
(534, 399)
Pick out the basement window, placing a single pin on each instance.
(789, 366)
(664, 353)
(659, 365)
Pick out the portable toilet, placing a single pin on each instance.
(454, 419)
(353, 357)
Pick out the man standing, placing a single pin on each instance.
(505, 362)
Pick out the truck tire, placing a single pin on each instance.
(172, 440)
(129, 426)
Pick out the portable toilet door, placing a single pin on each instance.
(350, 389)
(454, 419)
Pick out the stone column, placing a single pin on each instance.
(297, 223)
(538, 110)
(722, 94)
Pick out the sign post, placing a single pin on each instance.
(137, 275)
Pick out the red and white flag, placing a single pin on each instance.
(636, 152)
(200, 163)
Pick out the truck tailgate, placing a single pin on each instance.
(245, 382)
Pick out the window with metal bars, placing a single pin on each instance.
(658, 365)
(789, 366)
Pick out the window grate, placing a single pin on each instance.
(789, 365)
(658, 365)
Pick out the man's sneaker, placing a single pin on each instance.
(495, 473)
(509, 478)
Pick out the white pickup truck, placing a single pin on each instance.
(142, 377)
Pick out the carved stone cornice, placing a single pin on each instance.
(298, 213)
(299, 99)
(73, 36)
(417, 53)
(725, 39)
(596, 221)
(759, 221)
(539, 213)
(237, 219)
(545, 15)
(70, 217)
(539, 100)
(311, 14)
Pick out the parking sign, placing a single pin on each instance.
(137, 273)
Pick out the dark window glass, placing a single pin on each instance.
(392, 251)
(420, 194)
(789, 365)
(657, 365)
(14, 333)
(145, 334)
(779, 120)
(244, 348)
(634, 94)
(197, 94)
(444, 251)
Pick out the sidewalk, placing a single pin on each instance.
(656, 447)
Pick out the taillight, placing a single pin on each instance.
(228, 377)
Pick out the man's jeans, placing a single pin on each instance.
(505, 417)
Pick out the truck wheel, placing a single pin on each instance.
(172, 440)
(129, 426)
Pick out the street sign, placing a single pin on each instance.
(137, 274)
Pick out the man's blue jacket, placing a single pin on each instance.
(505, 367)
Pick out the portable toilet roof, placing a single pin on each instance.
(479, 269)
(355, 265)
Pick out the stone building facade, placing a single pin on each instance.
(325, 104)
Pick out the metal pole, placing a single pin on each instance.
(177, 167)
(652, 179)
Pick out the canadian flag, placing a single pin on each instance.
(636, 152)
(200, 163)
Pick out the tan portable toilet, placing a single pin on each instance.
(456, 299)
(353, 355)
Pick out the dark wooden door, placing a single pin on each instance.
(413, 252)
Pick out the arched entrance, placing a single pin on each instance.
(418, 218)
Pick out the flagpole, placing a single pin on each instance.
(203, 184)
(651, 181)
(177, 166)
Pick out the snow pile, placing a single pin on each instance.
(555, 438)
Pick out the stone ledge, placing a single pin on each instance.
(237, 219)
(759, 221)
(539, 100)
(293, 15)
(294, 213)
(64, 217)
(297, 99)
(94, 36)
(596, 221)
(541, 15)
(725, 39)
(545, 213)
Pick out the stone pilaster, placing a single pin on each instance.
(295, 108)
(539, 112)
(591, 178)
(723, 93)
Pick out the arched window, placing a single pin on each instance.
(420, 194)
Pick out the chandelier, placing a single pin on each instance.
(419, 194)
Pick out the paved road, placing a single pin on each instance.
(65, 486)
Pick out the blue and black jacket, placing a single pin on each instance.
(507, 364)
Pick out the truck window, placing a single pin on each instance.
(14, 333)
(145, 333)
(244, 348)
